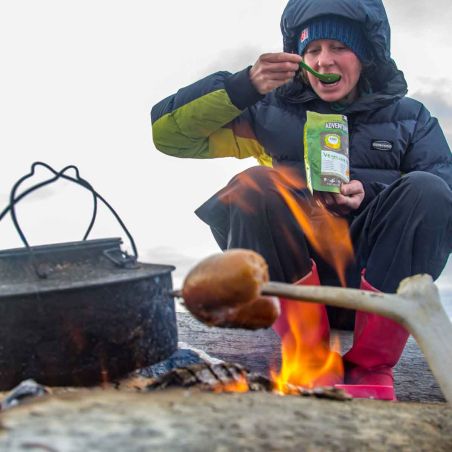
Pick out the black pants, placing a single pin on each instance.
(405, 230)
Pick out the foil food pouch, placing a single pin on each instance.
(326, 151)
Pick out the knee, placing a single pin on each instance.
(426, 187)
(253, 183)
(254, 177)
(427, 183)
(427, 194)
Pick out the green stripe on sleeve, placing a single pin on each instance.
(185, 131)
(195, 130)
(223, 143)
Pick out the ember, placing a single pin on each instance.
(241, 385)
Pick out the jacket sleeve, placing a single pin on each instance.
(428, 150)
(209, 119)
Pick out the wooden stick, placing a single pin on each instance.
(416, 306)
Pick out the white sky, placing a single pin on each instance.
(78, 80)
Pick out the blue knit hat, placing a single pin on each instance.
(338, 28)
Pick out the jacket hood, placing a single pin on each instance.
(371, 14)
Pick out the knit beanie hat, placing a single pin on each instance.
(338, 28)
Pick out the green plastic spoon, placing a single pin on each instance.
(325, 78)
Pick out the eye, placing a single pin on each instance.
(313, 50)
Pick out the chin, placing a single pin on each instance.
(336, 93)
(331, 97)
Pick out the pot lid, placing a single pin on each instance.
(69, 266)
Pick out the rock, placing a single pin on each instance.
(190, 420)
(26, 390)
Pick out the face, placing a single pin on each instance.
(326, 56)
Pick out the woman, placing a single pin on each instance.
(398, 201)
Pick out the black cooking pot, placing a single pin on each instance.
(83, 312)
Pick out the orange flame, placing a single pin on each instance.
(235, 197)
(308, 360)
(327, 233)
(240, 385)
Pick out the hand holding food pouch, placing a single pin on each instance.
(326, 152)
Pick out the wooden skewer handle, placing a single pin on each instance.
(379, 303)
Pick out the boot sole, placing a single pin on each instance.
(376, 392)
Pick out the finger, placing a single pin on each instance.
(349, 202)
(340, 204)
(341, 200)
(281, 57)
(280, 67)
(352, 188)
(346, 189)
(267, 86)
(280, 75)
(270, 70)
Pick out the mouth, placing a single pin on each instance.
(329, 84)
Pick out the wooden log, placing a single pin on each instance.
(259, 350)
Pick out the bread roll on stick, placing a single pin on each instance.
(224, 290)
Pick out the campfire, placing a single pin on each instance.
(307, 361)
(416, 305)
(219, 295)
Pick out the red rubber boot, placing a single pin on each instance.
(304, 330)
(378, 344)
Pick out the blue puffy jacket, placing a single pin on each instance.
(390, 134)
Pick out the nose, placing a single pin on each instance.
(325, 58)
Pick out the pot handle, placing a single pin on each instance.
(13, 200)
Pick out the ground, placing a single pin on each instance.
(190, 420)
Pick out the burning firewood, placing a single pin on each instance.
(203, 375)
(229, 377)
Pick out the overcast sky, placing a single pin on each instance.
(79, 78)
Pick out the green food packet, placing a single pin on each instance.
(326, 151)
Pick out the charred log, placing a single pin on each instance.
(230, 377)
